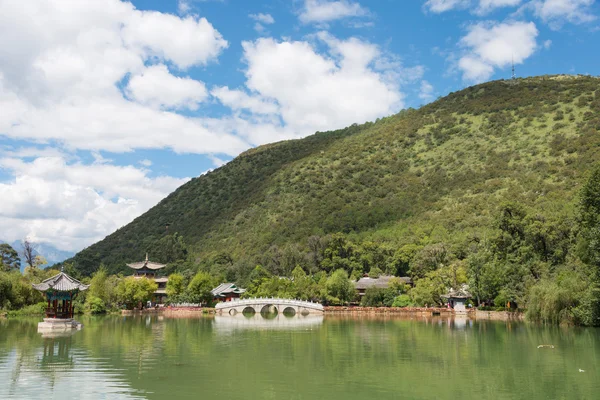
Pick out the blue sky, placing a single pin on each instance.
(108, 106)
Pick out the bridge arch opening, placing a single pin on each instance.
(269, 311)
(248, 311)
(289, 311)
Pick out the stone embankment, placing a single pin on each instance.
(171, 311)
(421, 311)
(183, 312)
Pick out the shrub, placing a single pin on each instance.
(95, 305)
(33, 309)
(401, 301)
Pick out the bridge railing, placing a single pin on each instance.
(269, 300)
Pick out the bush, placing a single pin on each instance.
(33, 309)
(95, 305)
(401, 301)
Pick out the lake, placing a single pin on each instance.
(319, 357)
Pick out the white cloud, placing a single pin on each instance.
(152, 34)
(319, 92)
(183, 7)
(61, 63)
(547, 44)
(239, 100)
(426, 91)
(146, 163)
(487, 6)
(495, 45)
(74, 205)
(480, 7)
(440, 6)
(156, 87)
(323, 11)
(557, 12)
(263, 18)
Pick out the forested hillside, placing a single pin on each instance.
(492, 172)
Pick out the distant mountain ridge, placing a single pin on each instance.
(49, 252)
(442, 170)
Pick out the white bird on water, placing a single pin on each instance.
(581, 370)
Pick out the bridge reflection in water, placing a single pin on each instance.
(226, 323)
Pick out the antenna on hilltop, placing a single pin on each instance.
(514, 76)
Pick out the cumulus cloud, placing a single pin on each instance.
(261, 21)
(426, 91)
(319, 92)
(240, 100)
(72, 205)
(61, 64)
(440, 6)
(489, 45)
(480, 7)
(263, 18)
(323, 11)
(156, 87)
(558, 12)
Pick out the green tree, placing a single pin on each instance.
(199, 288)
(175, 286)
(134, 291)
(340, 290)
(9, 258)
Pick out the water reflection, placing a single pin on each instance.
(53, 366)
(258, 321)
(340, 357)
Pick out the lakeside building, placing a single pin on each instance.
(226, 292)
(382, 282)
(149, 269)
(457, 299)
(60, 291)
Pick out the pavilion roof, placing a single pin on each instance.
(225, 288)
(383, 282)
(460, 293)
(146, 264)
(60, 283)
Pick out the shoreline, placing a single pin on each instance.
(422, 312)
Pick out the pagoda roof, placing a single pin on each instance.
(146, 264)
(60, 283)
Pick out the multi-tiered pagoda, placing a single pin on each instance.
(149, 269)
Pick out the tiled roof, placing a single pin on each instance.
(383, 282)
(460, 293)
(146, 264)
(61, 283)
(225, 288)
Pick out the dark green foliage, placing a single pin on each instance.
(9, 258)
(376, 297)
(482, 185)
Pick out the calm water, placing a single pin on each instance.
(282, 358)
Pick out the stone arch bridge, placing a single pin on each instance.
(261, 305)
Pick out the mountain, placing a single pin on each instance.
(436, 174)
(50, 253)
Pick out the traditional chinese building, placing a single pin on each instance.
(149, 269)
(382, 282)
(60, 291)
(227, 292)
(457, 299)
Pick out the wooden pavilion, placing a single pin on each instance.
(60, 291)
